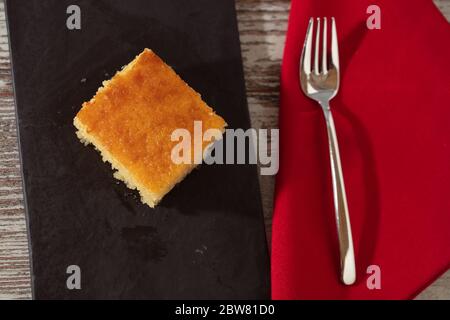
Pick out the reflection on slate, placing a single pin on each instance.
(206, 238)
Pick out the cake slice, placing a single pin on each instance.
(130, 121)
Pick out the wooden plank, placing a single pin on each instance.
(14, 259)
(262, 25)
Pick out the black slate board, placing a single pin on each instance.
(206, 240)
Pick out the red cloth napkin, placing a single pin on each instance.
(392, 117)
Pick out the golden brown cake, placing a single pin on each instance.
(130, 121)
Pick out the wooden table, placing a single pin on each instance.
(262, 25)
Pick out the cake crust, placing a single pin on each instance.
(130, 121)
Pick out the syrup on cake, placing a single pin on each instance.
(130, 121)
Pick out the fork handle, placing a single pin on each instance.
(347, 256)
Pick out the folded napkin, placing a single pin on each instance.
(392, 117)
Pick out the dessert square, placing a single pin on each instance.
(130, 121)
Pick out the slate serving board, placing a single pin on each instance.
(206, 239)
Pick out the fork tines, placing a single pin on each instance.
(307, 50)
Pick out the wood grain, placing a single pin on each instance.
(262, 25)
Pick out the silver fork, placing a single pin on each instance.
(322, 85)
